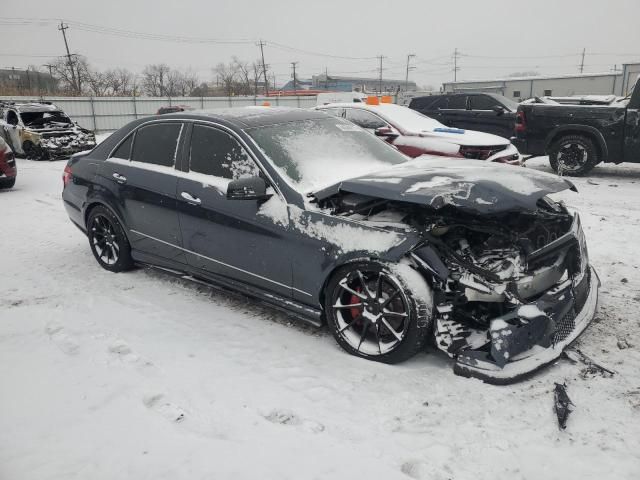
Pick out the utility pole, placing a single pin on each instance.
(63, 29)
(455, 65)
(381, 57)
(584, 51)
(406, 78)
(295, 81)
(264, 69)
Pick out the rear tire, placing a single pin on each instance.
(573, 155)
(7, 182)
(108, 241)
(373, 313)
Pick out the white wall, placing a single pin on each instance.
(111, 113)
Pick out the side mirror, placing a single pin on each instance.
(499, 109)
(250, 188)
(385, 132)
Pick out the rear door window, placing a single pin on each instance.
(214, 152)
(365, 119)
(157, 144)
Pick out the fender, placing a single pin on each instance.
(592, 131)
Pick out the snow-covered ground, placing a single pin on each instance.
(142, 376)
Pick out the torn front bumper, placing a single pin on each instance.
(550, 324)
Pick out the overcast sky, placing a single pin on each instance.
(495, 37)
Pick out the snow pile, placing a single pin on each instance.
(138, 375)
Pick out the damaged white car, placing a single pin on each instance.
(42, 131)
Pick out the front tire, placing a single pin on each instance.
(108, 240)
(573, 155)
(374, 313)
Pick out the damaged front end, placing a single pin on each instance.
(518, 290)
(54, 143)
(512, 287)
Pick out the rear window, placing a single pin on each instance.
(426, 103)
(483, 102)
(157, 144)
(457, 102)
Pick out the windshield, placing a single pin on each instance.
(40, 118)
(313, 154)
(408, 119)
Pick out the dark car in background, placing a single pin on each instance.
(483, 112)
(578, 137)
(315, 216)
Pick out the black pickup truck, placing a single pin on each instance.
(578, 137)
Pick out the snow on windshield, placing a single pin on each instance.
(317, 153)
(407, 119)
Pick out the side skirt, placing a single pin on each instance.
(287, 306)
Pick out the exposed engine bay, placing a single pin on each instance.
(505, 286)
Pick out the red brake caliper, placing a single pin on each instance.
(355, 311)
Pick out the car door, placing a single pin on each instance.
(141, 178)
(453, 111)
(484, 117)
(243, 240)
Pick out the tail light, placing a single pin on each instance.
(67, 175)
(521, 121)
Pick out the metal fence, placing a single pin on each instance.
(111, 113)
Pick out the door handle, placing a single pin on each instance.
(119, 178)
(190, 198)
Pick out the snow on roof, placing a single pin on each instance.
(535, 77)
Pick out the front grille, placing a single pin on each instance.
(481, 153)
(564, 327)
(566, 324)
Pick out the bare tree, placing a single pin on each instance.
(242, 69)
(154, 79)
(228, 75)
(120, 81)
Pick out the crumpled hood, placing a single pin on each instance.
(437, 182)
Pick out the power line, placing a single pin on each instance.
(406, 78)
(63, 28)
(455, 65)
(380, 57)
(264, 70)
(295, 81)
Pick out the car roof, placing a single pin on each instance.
(382, 107)
(35, 107)
(251, 116)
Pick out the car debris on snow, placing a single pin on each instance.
(592, 368)
(562, 404)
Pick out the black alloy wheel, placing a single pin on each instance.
(373, 314)
(573, 155)
(108, 241)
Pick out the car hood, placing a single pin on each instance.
(468, 185)
(469, 138)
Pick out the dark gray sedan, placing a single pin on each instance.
(311, 214)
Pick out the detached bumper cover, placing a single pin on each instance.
(552, 323)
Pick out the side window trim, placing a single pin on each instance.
(126, 137)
